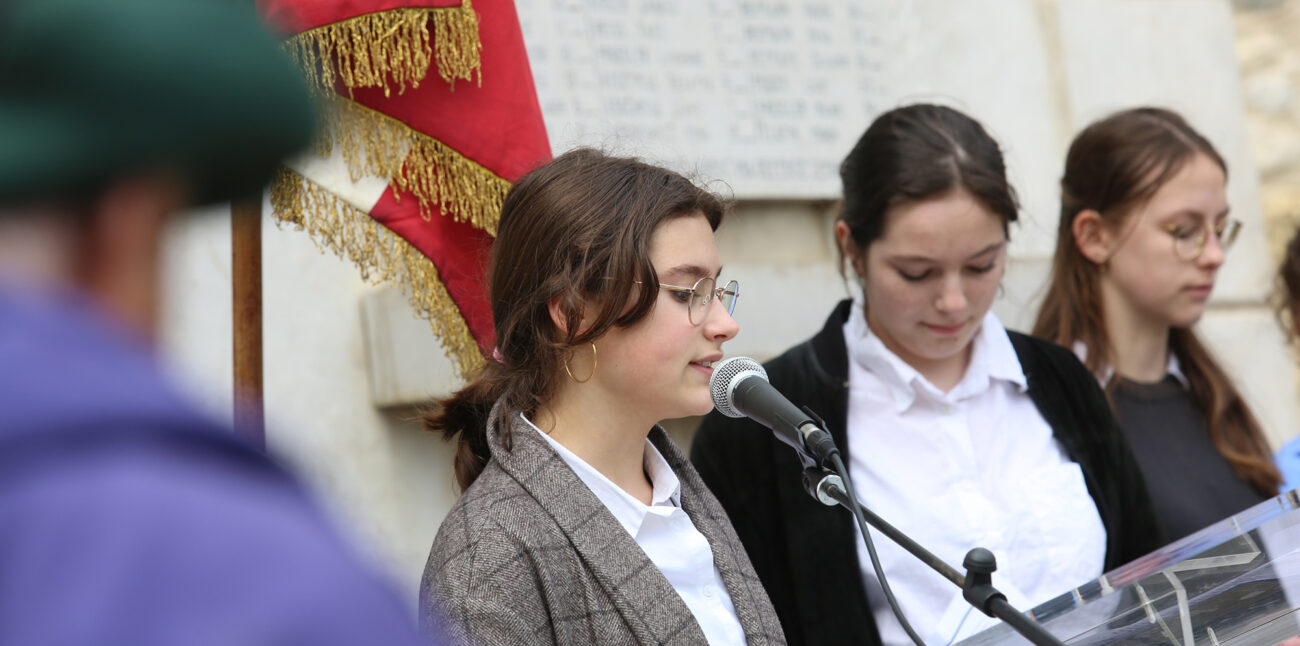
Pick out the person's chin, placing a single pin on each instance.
(943, 350)
(943, 347)
(1187, 316)
(690, 405)
(1183, 322)
(701, 406)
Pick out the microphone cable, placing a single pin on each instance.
(843, 472)
(726, 377)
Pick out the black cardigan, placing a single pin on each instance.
(805, 552)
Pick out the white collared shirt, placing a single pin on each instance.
(668, 537)
(974, 467)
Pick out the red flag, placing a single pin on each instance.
(427, 161)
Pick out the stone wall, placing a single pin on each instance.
(1268, 49)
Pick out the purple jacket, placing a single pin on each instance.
(127, 518)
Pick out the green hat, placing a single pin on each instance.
(93, 89)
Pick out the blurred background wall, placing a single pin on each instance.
(1268, 52)
(733, 90)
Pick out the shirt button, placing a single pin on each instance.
(709, 592)
(947, 409)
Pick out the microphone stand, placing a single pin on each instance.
(976, 585)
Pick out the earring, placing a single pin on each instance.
(593, 367)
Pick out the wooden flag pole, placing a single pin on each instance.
(246, 282)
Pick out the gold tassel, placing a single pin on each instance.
(376, 49)
(376, 144)
(459, 50)
(381, 255)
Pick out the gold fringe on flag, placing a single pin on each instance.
(376, 144)
(376, 49)
(381, 255)
(455, 38)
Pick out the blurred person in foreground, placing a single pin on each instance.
(126, 517)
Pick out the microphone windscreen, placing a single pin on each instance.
(726, 375)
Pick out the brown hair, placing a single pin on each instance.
(918, 152)
(1114, 167)
(1286, 295)
(577, 228)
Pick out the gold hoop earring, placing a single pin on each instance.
(593, 367)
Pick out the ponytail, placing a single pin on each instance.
(464, 417)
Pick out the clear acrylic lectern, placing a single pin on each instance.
(1234, 583)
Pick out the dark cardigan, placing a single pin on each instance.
(806, 554)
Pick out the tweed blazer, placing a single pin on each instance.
(529, 555)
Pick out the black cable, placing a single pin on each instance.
(843, 472)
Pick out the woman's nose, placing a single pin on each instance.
(720, 324)
(952, 297)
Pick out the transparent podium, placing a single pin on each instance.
(1234, 583)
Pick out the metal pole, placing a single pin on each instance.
(246, 283)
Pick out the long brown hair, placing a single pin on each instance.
(577, 228)
(1114, 167)
(1286, 294)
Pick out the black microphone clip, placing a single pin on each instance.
(817, 440)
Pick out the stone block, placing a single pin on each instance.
(405, 363)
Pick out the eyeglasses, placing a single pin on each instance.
(700, 297)
(1190, 239)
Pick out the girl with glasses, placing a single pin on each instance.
(1144, 228)
(581, 522)
(955, 430)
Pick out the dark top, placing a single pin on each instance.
(806, 552)
(1191, 483)
(127, 518)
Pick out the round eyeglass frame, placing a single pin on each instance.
(1191, 247)
(702, 295)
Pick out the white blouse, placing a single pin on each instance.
(668, 537)
(974, 467)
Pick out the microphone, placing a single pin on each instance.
(740, 388)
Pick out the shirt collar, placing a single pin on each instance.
(992, 358)
(1107, 372)
(628, 511)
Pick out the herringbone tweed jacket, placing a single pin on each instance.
(529, 555)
